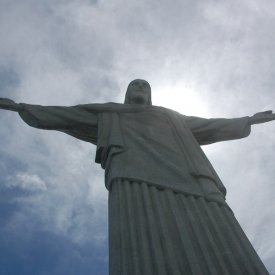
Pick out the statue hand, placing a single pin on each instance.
(262, 117)
(9, 104)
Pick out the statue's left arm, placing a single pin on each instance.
(208, 131)
(262, 117)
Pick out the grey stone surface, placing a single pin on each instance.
(160, 148)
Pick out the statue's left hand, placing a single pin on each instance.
(262, 117)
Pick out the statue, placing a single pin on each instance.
(167, 208)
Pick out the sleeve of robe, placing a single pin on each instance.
(77, 121)
(207, 131)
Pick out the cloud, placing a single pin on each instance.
(28, 181)
(207, 58)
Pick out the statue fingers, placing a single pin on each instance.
(268, 112)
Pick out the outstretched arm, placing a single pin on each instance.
(8, 104)
(74, 120)
(262, 117)
(208, 131)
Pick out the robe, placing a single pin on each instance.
(157, 173)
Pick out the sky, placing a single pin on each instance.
(205, 58)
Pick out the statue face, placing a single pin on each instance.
(138, 92)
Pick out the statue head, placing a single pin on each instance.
(138, 92)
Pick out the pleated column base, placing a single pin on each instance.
(160, 232)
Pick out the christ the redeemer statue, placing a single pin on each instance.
(167, 209)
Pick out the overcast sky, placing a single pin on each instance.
(206, 58)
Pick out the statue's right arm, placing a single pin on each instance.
(73, 120)
(8, 104)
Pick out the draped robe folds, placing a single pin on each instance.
(167, 210)
(145, 143)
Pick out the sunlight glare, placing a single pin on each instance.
(180, 98)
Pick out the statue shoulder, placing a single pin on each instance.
(168, 111)
(101, 107)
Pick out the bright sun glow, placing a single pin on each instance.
(180, 98)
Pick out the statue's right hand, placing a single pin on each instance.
(9, 104)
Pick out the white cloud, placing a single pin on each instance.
(208, 58)
(27, 181)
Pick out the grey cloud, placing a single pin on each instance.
(72, 52)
